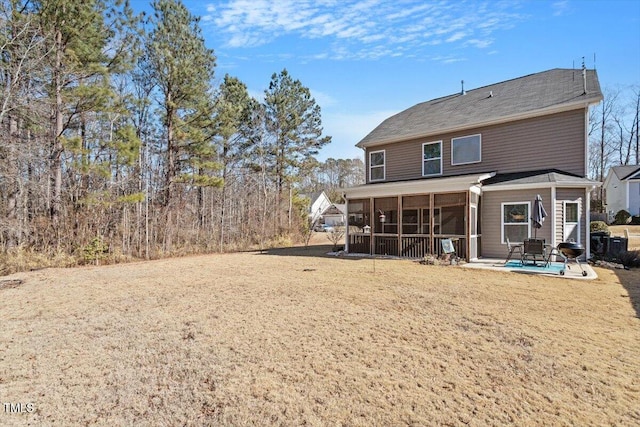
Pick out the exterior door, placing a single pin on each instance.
(572, 221)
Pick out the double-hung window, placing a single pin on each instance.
(376, 165)
(466, 149)
(432, 158)
(515, 222)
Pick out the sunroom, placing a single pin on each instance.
(411, 218)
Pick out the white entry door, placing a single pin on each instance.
(572, 221)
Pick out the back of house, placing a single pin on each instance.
(468, 166)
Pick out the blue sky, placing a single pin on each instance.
(364, 60)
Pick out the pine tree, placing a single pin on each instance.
(182, 67)
(232, 120)
(80, 37)
(294, 124)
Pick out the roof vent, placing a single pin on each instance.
(490, 94)
(462, 92)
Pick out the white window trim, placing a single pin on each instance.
(479, 135)
(564, 219)
(384, 165)
(502, 223)
(423, 159)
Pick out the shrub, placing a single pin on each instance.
(95, 250)
(629, 259)
(27, 259)
(336, 236)
(622, 218)
(598, 226)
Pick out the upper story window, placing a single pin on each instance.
(466, 149)
(432, 158)
(376, 165)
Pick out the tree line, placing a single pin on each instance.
(116, 135)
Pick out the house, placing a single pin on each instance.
(468, 166)
(318, 203)
(622, 190)
(335, 214)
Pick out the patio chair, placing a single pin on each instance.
(534, 251)
(449, 251)
(514, 248)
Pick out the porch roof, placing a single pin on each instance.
(537, 179)
(420, 186)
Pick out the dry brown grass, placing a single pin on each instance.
(289, 338)
(25, 259)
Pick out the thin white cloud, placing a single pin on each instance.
(362, 28)
(482, 44)
(560, 7)
(448, 59)
(323, 99)
(455, 37)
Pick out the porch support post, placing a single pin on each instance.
(400, 219)
(346, 230)
(432, 196)
(467, 225)
(554, 218)
(372, 232)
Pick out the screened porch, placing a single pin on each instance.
(413, 226)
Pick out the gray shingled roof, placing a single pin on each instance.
(537, 177)
(624, 172)
(529, 95)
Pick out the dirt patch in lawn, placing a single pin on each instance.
(288, 337)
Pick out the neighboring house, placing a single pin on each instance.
(468, 167)
(335, 214)
(318, 203)
(622, 190)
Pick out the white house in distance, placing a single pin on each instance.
(622, 190)
(318, 203)
(334, 215)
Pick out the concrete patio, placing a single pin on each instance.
(572, 271)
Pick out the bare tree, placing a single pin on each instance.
(601, 136)
(336, 236)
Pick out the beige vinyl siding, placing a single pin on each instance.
(492, 246)
(403, 160)
(559, 214)
(549, 142)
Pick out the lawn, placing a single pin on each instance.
(290, 337)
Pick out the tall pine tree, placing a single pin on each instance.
(294, 125)
(80, 37)
(232, 120)
(182, 68)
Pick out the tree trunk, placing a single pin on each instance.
(57, 147)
